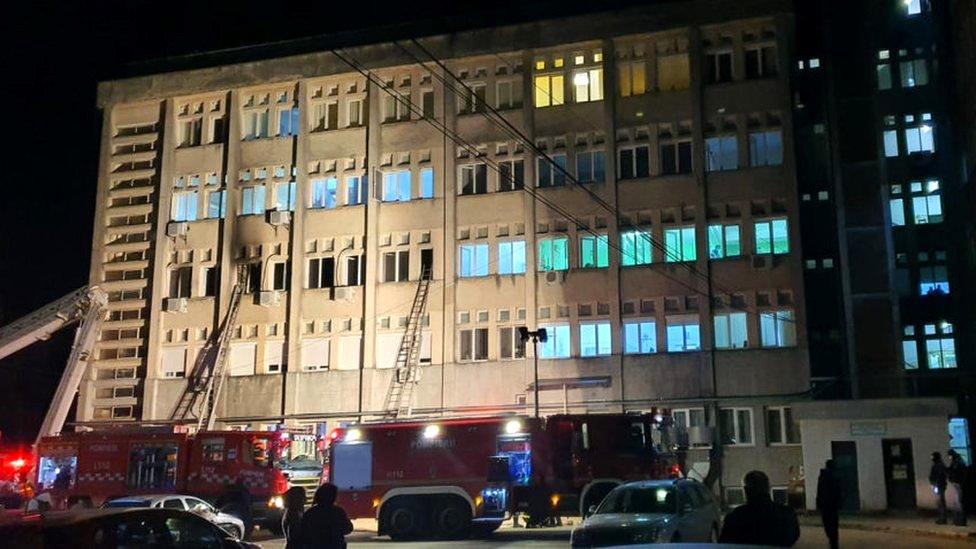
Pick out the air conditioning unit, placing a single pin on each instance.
(762, 262)
(555, 277)
(269, 298)
(177, 228)
(276, 217)
(174, 305)
(344, 293)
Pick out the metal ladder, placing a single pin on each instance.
(209, 371)
(407, 372)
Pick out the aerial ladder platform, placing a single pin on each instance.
(406, 375)
(199, 399)
(86, 307)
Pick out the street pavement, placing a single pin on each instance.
(811, 537)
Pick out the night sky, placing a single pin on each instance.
(59, 51)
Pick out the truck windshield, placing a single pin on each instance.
(640, 500)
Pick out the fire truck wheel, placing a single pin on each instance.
(404, 520)
(452, 519)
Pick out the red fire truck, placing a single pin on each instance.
(447, 478)
(88, 468)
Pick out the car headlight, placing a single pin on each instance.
(276, 502)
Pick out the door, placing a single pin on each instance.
(427, 263)
(844, 453)
(899, 473)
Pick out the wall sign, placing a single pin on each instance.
(868, 428)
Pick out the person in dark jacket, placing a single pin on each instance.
(760, 521)
(956, 475)
(291, 521)
(938, 480)
(829, 499)
(325, 525)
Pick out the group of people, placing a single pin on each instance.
(323, 526)
(948, 481)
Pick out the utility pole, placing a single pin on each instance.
(538, 335)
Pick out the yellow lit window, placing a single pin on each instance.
(549, 90)
(631, 78)
(557, 62)
(673, 72)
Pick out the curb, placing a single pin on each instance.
(947, 534)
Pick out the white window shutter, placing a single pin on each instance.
(242, 358)
(173, 361)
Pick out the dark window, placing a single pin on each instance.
(179, 282)
(354, 273)
(218, 130)
(428, 104)
(281, 278)
(210, 282)
(173, 503)
(253, 278)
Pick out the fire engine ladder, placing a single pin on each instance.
(85, 306)
(407, 372)
(207, 378)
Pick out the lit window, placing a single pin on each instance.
(731, 331)
(217, 204)
(554, 254)
(184, 206)
(679, 244)
(549, 175)
(777, 328)
(252, 200)
(635, 248)
(285, 196)
(355, 189)
(890, 143)
(735, 426)
(640, 337)
(683, 333)
(926, 201)
(914, 73)
(673, 72)
(590, 166)
(884, 70)
(549, 90)
(473, 344)
(940, 347)
(323, 193)
(766, 148)
(919, 136)
(396, 186)
(511, 257)
(288, 122)
(633, 162)
(557, 344)
(913, 7)
(588, 85)
(595, 339)
(722, 153)
(472, 260)
(781, 428)
(594, 251)
(772, 236)
(934, 279)
(723, 241)
(896, 206)
(631, 78)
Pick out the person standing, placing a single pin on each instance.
(760, 521)
(956, 476)
(325, 524)
(829, 499)
(938, 480)
(291, 521)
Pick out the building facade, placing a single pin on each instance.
(626, 181)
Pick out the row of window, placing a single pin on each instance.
(736, 427)
(917, 135)
(771, 236)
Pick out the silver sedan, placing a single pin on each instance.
(233, 525)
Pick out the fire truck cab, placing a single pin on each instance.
(88, 468)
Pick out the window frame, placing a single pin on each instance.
(737, 428)
(471, 334)
(785, 414)
(474, 249)
(642, 325)
(597, 327)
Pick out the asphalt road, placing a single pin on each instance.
(810, 537)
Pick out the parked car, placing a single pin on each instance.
(112, 528)
(652, 511)
(231, 523)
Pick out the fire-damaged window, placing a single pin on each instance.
(152, 466)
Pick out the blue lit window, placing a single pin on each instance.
(184, 206)
(511, 257)
(684, 333)
(640, 337)
(472, 260)
(285, 196)
(558, 343)
(355, 186)
(324, 193)
(679, 244)
(427, 183)
(722, 153)
(554, 254)
(766, 148)
(396, 186)
(731, 331)
(252, 200)
(288, 122)
(772, 237)
(594, 251)
(777, 328)
(217, 204)
(635, 248)
(595, 339)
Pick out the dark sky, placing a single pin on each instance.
(59, 51)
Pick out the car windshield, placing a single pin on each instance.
(127, 503)
(640, 500)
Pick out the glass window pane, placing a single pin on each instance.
(763, 244)
(781, 240)
(603, 338)
(688, 250)
(588, 339)
(732, 247)
(909, 350)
